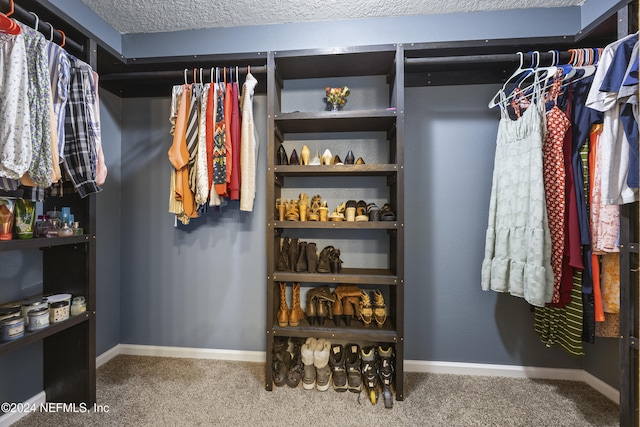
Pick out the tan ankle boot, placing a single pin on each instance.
(283, 312)
(379, 308)
(296, 311)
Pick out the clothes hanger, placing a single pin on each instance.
(535, 71)
(50, 31)
(37, 24)
(237, 79)
(8, 25)
(64, 38)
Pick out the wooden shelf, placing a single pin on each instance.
(355, 332)
(339, 121)
(31, 337)
(42, 242)
(336, 170)
(360, 276)
(337, 225)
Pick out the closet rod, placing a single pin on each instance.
(255, 69)
(545, 58)
(27, 18)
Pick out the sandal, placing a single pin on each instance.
(293, 214)
(386, 214)
(323, 211)
(338, 214)
(361, 211)
(303, 206)
(281, 206)
(350, 211)
(373, 211)
(313, 213)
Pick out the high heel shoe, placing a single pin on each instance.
(293, 160)
(338, 214)
(349, 159)
(281, 205)
(359, 161)
(281, 156)
(327, 158)
(337, 161)
(316, 160)
(304, 155)
(313, 213)
(335, 262)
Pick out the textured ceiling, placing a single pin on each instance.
(150, 16)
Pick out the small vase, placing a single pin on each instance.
(335, 106)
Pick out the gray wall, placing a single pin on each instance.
(108, 225)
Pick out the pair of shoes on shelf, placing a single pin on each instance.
(350, 159)
(373, 312)
(315, 358)
(307, 258)
(329, 260)
(346, 305)
(318, 302)
(295, 315)
(377, 372)
(338, 213)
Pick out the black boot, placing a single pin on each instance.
(301, 263)
(281, 360)
(283, 255)
(335, 262)
(312, 257)
(293, 253)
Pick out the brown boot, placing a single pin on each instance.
(336, 311)
(379, 308)
(301, 263)
(296, 311)
(347, 311)
(283, 312)
(293, 253)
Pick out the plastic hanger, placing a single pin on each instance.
(8, 25)
(502, 99)
(64, 38)
(185, 77)
(37, 23)
(50, 31)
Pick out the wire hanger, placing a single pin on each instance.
(8, 25)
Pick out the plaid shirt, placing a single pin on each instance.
(80, 155)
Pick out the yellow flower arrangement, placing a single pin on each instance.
(337, 95)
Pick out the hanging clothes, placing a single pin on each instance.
(518, 244)
(220, 145)
(249, 146)
(234, 182)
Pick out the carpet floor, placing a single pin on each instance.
(157, 391)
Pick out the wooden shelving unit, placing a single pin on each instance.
(388, 61)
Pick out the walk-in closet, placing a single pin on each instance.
(283, 212)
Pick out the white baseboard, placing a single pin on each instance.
(192, 353)
(602, 387)
(108, 355)
(12, 417)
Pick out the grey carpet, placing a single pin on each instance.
(156, 391)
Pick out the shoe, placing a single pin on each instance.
(352, 364)
(316, 160)
(313, 213)
(336, 311)
(373, 211)
(379, 308)
(283, 311)
(303, 205)
(338, 213)
(369, 368)
(283, 254)
(309, 372)
(295, 314)
(301, 263)
(349, 159)
(321, 362)
(294, 374)
(293, 253)
(304, 155)
(292, 213)
(385, 372)
(324, 264)
(338, 371)
(293, 160)
(310, 309)
(281, 361)
(359, 161)
(337, 161)
(350, 211)
(386, 214)
(322, 311)
(312, 257)
(347, 311)
(281, 206)
(361, 211)
(366, 311)
(335, 262)
(323, 212)
(327, 158)
(281, 156)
